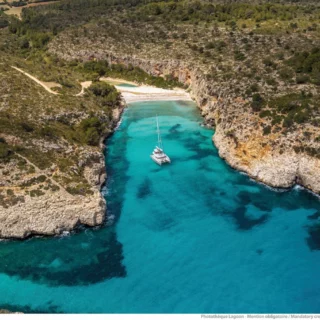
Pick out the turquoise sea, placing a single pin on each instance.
(194, 236)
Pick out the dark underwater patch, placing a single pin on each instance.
(267, 200)
(81, 259)
(194, 145)
(244, 222)
(313, 240)
(144, 189)
(185, 103)
(314, 216)
(201, 153)
(158, 222)
(257, 200)
(174, 129)
(166, 223)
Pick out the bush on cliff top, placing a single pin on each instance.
(5, 151)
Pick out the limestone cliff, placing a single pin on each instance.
(272, 159)
(51, 214)
(36, 201)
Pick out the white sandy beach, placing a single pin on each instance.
(148, 93)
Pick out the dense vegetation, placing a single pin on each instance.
(96, 69)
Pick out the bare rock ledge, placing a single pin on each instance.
(51, 214)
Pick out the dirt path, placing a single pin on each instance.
(84, 85)
(38, 170)
(46, 87)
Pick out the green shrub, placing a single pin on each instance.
(5, 151)
(286, 74)
(276, 119)
(101, 89)
(238, 55)
(301, 79)
(254, 87)
(27, 126)
(266, 130)
(47, 131)
(257, 102)
(265, 113)
(91, 130)
(288, 121)
(99, 67)
(268, 62)
(271, 81)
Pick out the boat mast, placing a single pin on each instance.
(159, 136)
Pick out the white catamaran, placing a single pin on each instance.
(158, 156)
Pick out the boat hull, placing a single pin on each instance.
(160, 162)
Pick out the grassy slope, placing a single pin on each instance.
(49, 130)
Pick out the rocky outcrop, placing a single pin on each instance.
(238, 132)
(269, 165)
(36, 201)
(51, 214)
(5, 311)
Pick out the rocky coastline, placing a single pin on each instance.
(56, 212)
(241, 143)
(239, 137)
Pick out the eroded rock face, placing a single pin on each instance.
(94, 168)
(51, 214)
(48, 208)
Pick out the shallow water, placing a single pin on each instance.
(192, 236)
(127, 85)
(122, 84)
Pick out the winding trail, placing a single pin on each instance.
(38, 170)
(84, 85)
(46, 87)
(130, 94)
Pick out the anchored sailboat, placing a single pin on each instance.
(158, 156)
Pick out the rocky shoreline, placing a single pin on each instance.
(270, 159)
(57, 212)
(239, 139)
(241, 143)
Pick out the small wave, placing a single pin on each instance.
(299, 188)
(118, 124)
(275, 189)
(110, 219)
(120, 120)
(105, 190)
(65, 234)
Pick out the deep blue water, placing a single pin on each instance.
(192, 236)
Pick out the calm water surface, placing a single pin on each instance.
(193, 236)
